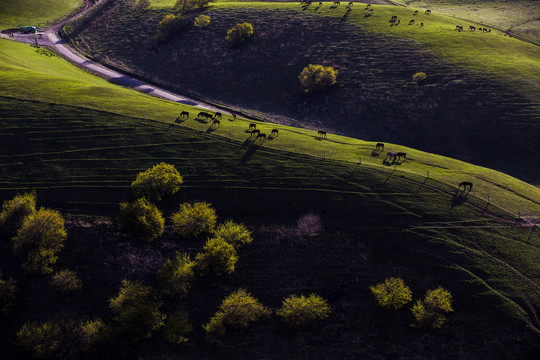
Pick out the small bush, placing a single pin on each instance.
(237, 310)
(159, 181)
(392, 293)
(142, 4)
(194, 219)
(235, 234)
(239, 33)
(177, 328)
(317, 77)
(301, 310)
(419, 77)
(431, 311)
(177, 275)
(8, 288)
(218, 257)
(202, 21)
(66, 281)
(14, 212)
(142, 220)
(309, 224)
(169, 25)
(39, 239)
(137, 310)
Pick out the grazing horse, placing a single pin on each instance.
(401, 155)
(350, 4)
(379, 146)
(411, 22)
(472, 28)
(253, 132)
(415, 12)
(398, 21)
(233, 116)
(252, 126)
(459, 28)
(320, 3)
(216, 122)
(393, 18)
(217, 115)
(466, 184)
(322, 133)
(484, 30)
(274, 132)
(390, 155)
(336, 2)
(204, 114)
(184, 114)
(421, 24)
(428, 12)
(261, 136)
(368, 5)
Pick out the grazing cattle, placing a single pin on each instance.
(379, 146)
(472, 28)
(391, 156)
(466, 184)
(322, 133)
(275, 132)
(415, 13)
(428, 12)
(401, 155)
(217, 115)
(216, 122)
(252, 126)
(411, 22)
(253, 132)
(261, 136)
(184, 114)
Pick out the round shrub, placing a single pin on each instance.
(235, 234)
(159, 181)
(39, 239)
(142, 219)
(239, 33)
(177, 328)
(14, 212)
(431, 311)
(169, 25)
(202, 21)
(218, 257)
(194, 219)
(301, 310)
(419, 77)
(66, 281)
(8, 289)
(177, 275)
(392, 293)
(317, 77)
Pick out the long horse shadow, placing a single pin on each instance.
(376, 152)
(212, 128)
(249, 153)
(459, 198)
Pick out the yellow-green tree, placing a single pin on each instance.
(235, 234)
(300, 310)
(218, 257)
(177, 275)
(239, 33)
(202, 21)
(317, 77)
(170, 24)
(419, 77)
(157, 182)
(431, 312)
(392, 293)
(194, 219)
(14, 212)
(141, 219)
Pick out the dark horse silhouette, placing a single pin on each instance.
(466, 185)
(184, 114)
(321, 133)
(379, 146)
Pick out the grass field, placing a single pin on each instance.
(460, 112)
(34, 12)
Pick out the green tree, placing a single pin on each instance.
(218, 257)
(159, 181)
(39, 239)
(317, 77)
(177, 328)
(177, 275)
(8, 288)
(419, 77)
(392, 293)
(300, 310)
(432, 310)
(66, 281)
(137, 311)
(239, 33)
(142, 219)
(14, 212)
(235, 234)
(194, 219)
(202, 21)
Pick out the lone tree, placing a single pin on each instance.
(159, 181)
(317, 77)
(419, 77)
(194, 219)
(141, 219)
(300, 310)
(202, 21)
(239, 33)
(392, 293)
(432, 310)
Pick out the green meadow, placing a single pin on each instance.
(34, 12)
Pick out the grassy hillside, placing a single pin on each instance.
(460, 112)
(34, 12)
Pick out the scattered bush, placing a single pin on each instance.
(235, 234)
(61, 339)
(159, 181)
(202, 21)
(189, 5)
(39, 239)
(317, 77)
(141, 219)
(392, 293)
(218, 257)
(237, 310)
(297, 311)
(137, 311)
(169, 25)
(142, 4)
(431, 312)
(419, 77)
(177, 328)
(177, 275)
(239, 33)
(309, 224)
(8, 289)
(66, 281)
(14, 212)
(194, 219)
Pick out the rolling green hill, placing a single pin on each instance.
(34, 12)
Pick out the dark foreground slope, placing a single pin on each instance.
(376, 225)
(458, 113)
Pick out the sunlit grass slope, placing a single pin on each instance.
(32, 73)
(14, 13)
